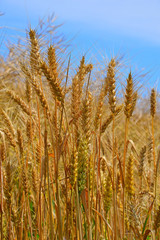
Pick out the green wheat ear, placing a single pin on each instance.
(107, 194)
(130, 177)
(82, 163)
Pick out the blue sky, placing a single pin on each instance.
(106, 27)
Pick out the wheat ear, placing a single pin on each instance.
(54, 85)
(34, 52)
(19, 101)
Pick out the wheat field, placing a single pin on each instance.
(76, 162)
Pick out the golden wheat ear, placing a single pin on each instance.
(153, 112)
(53, 65)
(20, 141)
(24, 180)
(28, 90)
(10, 138)
(111, 85)
(87, 117)
(19, 101)
(54, 85)
(83, 70)
(129, 96)
(8, 191)
(2, 152)
(98, 114)
(34, 53)
(8, 122)
(34, 181)
(153, 103)
(110, 119)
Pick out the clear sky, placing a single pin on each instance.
(104, 26)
